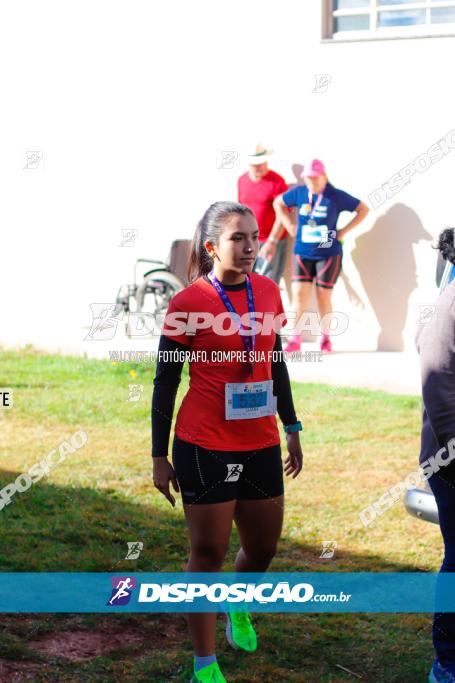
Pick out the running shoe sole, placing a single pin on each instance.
(229, 634)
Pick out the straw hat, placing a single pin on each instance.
(258, 155)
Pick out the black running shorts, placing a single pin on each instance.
(207, 476)
(324, 271)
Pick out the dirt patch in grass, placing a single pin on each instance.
(109, 638)
(80, 646)
(16, 672)
(76, 642)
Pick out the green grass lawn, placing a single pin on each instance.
(79, 518)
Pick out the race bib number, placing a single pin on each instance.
(315, 233)
(246, 400)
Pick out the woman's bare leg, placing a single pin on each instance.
(210, 531)
(259, 523)
(301, 295)
(324, 300)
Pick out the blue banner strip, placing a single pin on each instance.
(217, 592)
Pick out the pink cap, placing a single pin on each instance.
(313, 168)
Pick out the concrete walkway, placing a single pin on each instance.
(397, 373)
(355, 364)
(348, 366)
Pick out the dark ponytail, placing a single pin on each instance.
(446, 244)
(209, 229)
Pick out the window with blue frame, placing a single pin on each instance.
(388, 18)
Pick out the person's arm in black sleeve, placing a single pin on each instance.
(166, 383)
(282, 386)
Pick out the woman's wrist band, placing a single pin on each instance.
(296, 427)
(273, 239)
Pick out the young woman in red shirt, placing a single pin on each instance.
(226, 453)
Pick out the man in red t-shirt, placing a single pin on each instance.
(257, 188)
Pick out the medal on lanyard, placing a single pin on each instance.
(311, 222)
(249, 342)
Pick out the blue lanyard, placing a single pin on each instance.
(249, 342)
(310, 201)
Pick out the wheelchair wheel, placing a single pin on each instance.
(153, 295)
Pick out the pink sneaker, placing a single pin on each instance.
(326, 344)
(293, 345)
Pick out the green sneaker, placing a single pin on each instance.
(208, 674)
(240, 632)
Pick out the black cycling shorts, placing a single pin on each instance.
(324, 271)
(208, 476)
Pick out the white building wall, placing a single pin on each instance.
(131, 101)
